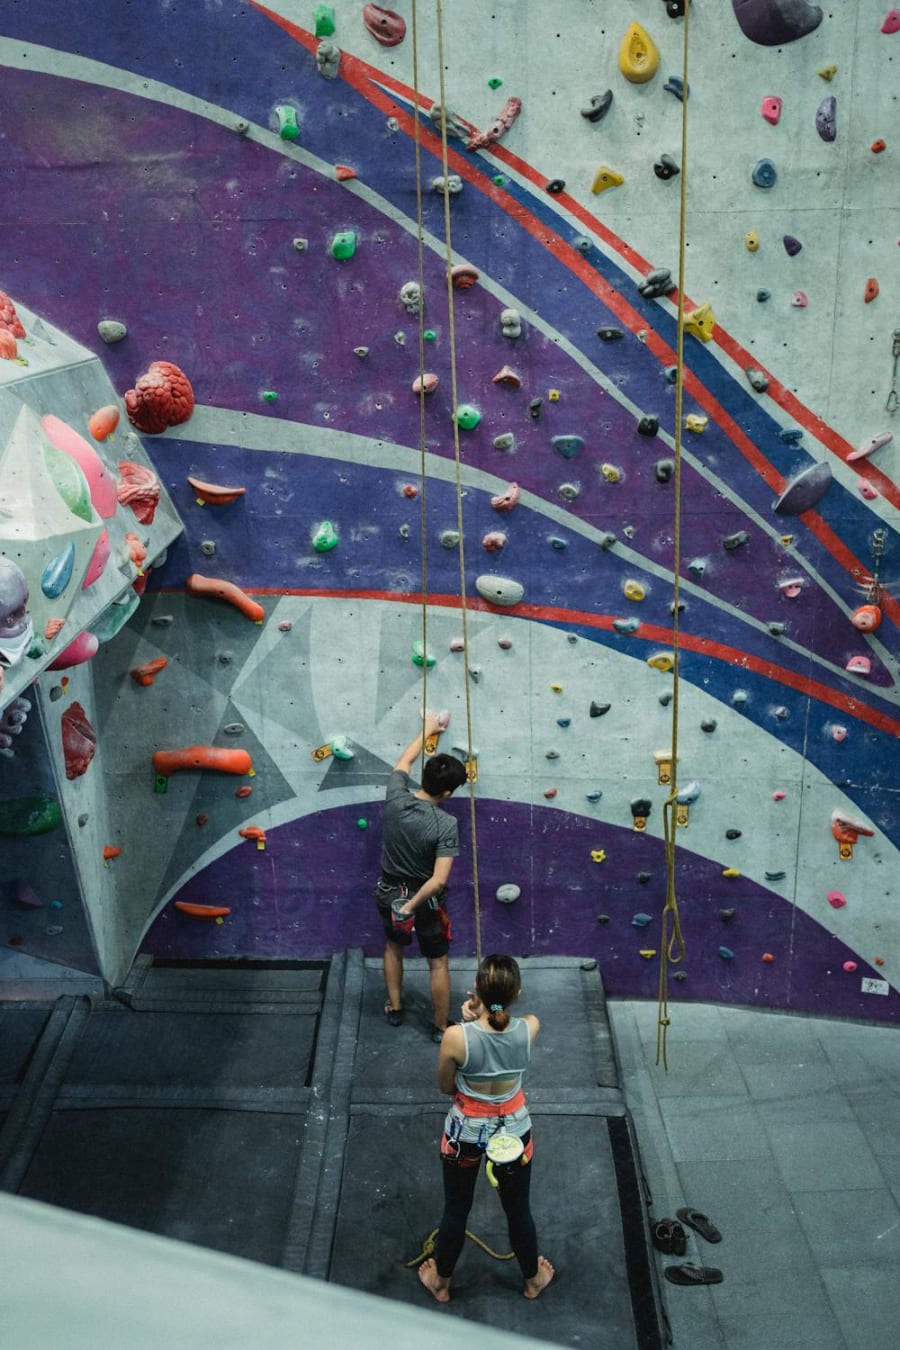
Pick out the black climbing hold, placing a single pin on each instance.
(736, 540)
(598, 709)
(582, 243)
(609, 334)
(598, 106)
(726, 915)
(671, 373)
(534, 408)
(775, 876)
(680, 976)
(675, 85)
(708, 724)
(665, 167)
(776, 629)
(664, 470)
(641, 807)
(556, 185)
(648, 425)
(732, 834)
(643, 877)
(588, 965)
(681, 607)
(656, 283)
(790, 435)
(758, 380)
(603, 918)
(606, 540)
(762, 294)
(666, 698)
(675, 8)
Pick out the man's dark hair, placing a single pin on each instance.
(443, 773)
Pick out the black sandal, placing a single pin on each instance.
(393, 1015)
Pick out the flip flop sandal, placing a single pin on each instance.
(689, 1274)
(679, 1240)
(694, 1219)
(662, 1235)
(393, 1015)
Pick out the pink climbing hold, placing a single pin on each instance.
(79, 740)
(778, 796)
(81, 649)
(494, 541)
(385, 26)
(506, 500)
(162, 397)
(138, 488)
(850, 966)
(892, 22)
(551, 793)
(426, 383)
(799, 300)
(9, 319)
(501, 124)
(457, 645)
(839, 734)
(101, 483)
(867, 490)
(99, 559)
(870, 446)
(771, 109)
(859, 665)
(507, 377)
(836, 900)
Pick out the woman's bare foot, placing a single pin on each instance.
(439, 1285)
(539, 1282)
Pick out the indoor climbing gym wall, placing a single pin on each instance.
(313, 313)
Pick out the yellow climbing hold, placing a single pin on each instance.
(648, 953)
(638, 56)
(751, 241)
(700, 322)
(662, 661)
(604, 178)
(633, 590)
(731, 872)
(696, 422)
(610, 473)
(557, 688)
(828, 73)
(598, 855)
(553, 395)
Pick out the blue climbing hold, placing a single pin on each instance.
(558, 543)
(563, 721)
(790, 435)
(675, 85)
(641, 920)
(726, 953)
(58, 572)
(764, 174)
(594, 795)
(568, 446)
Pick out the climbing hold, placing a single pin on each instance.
(556, 185)
(594, 796)
(606, 539)
(611, 474)
(425, 384)
(498, 128)
(641, 920)
(792, 246)
(506, 441)
(671, 374)
(867, 618)
(675, 85)
(386, 27)
(640, 811)
(582, 243)
(213, 493)
(778, 796)
(511, 323)
(758, 380)
(467, 416)
(837, 899)
(328, 61)
(799, 300)
(696, 422)
(878, 147)
(604, 178)
(558, 543)
(225, 590)
(726, 953)
(664, 469)
(506, 500)
(751, 241)
(493, 541)
(700, 322)
(287, 122)
(79, 650)
(499, 590)
(846, 830)
(58, 573)
(464, 276)
(449, 538)
(570, 491)
(551, 793)
(323, 20)
(146, 674)
(507, 377)
(665, 167)
(599, 709)
(850, 967)
(763, 295)
(411, 297)
(551, 754)
(867, 490)
(504, 642)
(556, 687)
(79, 740)
(826, 118)
(838, 733)
(110, 331)
(656, 283)
(764, 174)
(697, 567)
(871, 290)
(771, 109)
(169, 762)
(568, 446)
(776, 629)
(664, 661)
(340, 748)
(638, 55)
(598, 106)
(324, 537)
(610, 334)
(554, 395)
(269, 396)
(452, 185)
(103, 422)
(633, 590)
(772, 23)
(708, 724)
(731, 873)
(508, 893)
(791, 587)
(648, 953)
(534, 408)
(828, 73)
(804, 491)
(736, 540)
(892, 22)
(627, 626)
(343, 245)
(648, 425)
(870, 446)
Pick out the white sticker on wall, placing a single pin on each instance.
(875, 987)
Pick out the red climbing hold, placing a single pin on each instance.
(148, 672)
(836, 899)
(343, 173)
(162, 397)
(139, 489)
(385, 26)
(872, 289)
(9, 319)
(79, 740)
(878, 146)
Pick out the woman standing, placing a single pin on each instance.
(482, 1064)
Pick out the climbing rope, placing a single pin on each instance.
(423, 477)
(457, 463)
(671, 945)
(428, 1245)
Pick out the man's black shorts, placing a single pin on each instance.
(433, 939)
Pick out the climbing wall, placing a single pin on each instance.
(233, 191)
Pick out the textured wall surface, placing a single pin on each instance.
(151, 185)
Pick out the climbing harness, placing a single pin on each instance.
(671, 946)
(893, 398)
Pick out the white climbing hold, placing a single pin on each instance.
(508, 893)
(499, 590)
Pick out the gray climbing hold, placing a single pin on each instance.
(606, 540)
(455, 128)
(764, 174)
(511, 323)
(111, 330)
(826, 118)
(688, 794)
(757, 379)
(162, 620)
(665, 167)
(569, 491)
(792, 245)
(680, 976)
(328, 60)
(656, 283)
(233, 728)
(300, 244)
(804, 491)
(626, 625)
(508, 893)
(449, 538)
(641, 920)
(599, 709)
(664, 470)
(643, 877)
(775, 876)
(594, 795)
(708, 724)
(776, 629)
(411, 297)
(568, 446)
(360, 351)
(56, 693)
(665, 698)
(506, 441)
(603, 918)
(551, 754)
(208, 548)
(83, 820)
(697, 567)
(499, 590)
(648, 425)
(772, 23)
(726, 953)
(582, 243)
(739, 698)
(598, 106)
(736, 540)
(671, 374)
(453, 183)
(534, 408)
(610, 334)
(555, 541)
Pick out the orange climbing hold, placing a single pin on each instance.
(147, 673)
(343, 173)
(872, 289)
(214, 493)
(768, 958)
(9, 348)
(878, 146)
(225, 590)
(110, 852)
(103, 422)
(167, 762)
(202, 911)
(253, 832)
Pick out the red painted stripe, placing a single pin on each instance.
(360, 76)
(849, 704)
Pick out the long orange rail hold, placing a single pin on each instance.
(225, 590)
(167, 762)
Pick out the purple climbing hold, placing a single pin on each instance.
(772, 23)
(826, 118)
(792, 245)
(804, 491)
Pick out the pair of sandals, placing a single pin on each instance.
(395, 1019)
(669, 1237)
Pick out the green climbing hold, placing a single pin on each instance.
(340, 748)
(325, 537)
(498, 180)
(467, 417)
(421, 656)
(269, 396)
(343, 245)
(287, 122)
(494, 83)
(362, 823)
(69, 482)
(29, 815)
(323, 18)
(429, 335)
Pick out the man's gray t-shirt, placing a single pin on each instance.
(415, 833)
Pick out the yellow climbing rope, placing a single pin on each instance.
(671, 945)
(428, 1245)
(470, 759)
(423, 476)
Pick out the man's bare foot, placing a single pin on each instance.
(539, 1282)
(439, 1285)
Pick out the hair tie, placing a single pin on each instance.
(496, 1007)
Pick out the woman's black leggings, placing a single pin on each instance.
(514, 1186)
